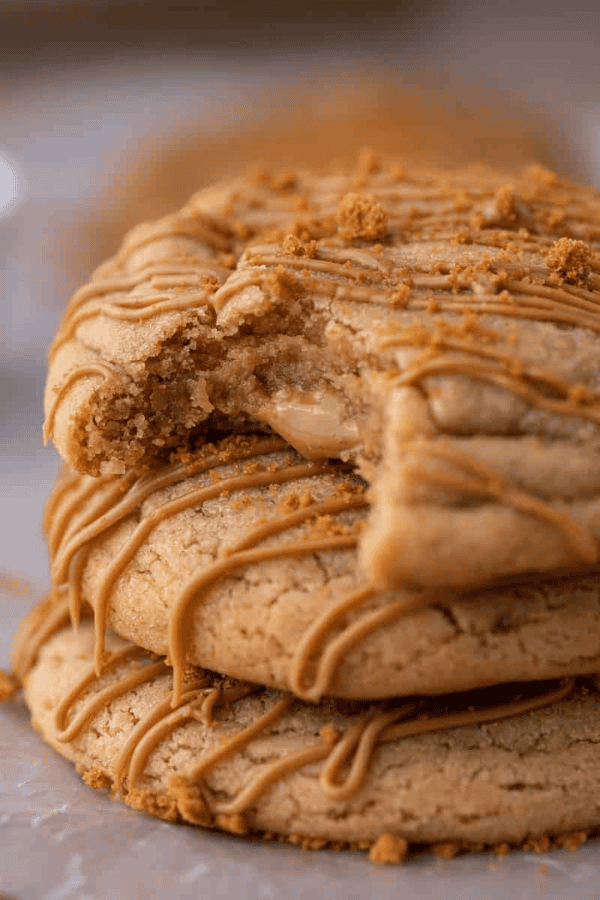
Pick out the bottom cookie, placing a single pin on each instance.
(241, 758)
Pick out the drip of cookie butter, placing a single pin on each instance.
(68, 529)
(9, 685)
(137, 308)
(160, 514)
(197, 701)
(313, 645)
(214, 236)
(506, 372)
(56, 523)
(137, 751)
(373, 728)
(136, 488)
(357, 743)
(160, 277)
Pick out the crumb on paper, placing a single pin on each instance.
(9, 685)
(389, 849)
(14, 585)
(446, 850)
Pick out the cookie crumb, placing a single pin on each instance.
(330, 735)
(361, 216)
(191, 805)
(502, 850)
(236, 823)
(284, 181)
(160, 805)
(399, 299)
(96, 778)
(9, 686)
(504, 211)
(307, 843)
(295, 247)
(228, 260)
(14, 585)
(389, 849)
(569, 260)
(540, 173)
(368, 162)
(446, 850)
(574, 841)
(537, 845)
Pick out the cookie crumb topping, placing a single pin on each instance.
(361, 216)
(570, 261)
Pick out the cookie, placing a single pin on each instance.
(242, 558)
(437, 328)
(234, 756)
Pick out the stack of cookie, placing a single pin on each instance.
(330, 515)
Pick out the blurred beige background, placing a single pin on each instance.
(114, 111)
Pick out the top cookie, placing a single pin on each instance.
(437, 327)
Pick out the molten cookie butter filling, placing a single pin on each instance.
(312, 422)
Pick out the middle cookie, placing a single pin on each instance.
(242, 558)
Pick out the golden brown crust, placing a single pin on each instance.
(270, 764)
(242, 558)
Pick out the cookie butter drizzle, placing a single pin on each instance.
(38, 627)
(184, 288)
(355, 748)
(500, 369)
(134, 309)
(111, 500)
(352, 750)
(472, 477)
(102, 370)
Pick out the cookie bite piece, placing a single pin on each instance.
(436, 328)
(242, 558)
(510, 764)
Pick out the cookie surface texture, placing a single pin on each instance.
(438, 328)
(242, 558)
(236, 757)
